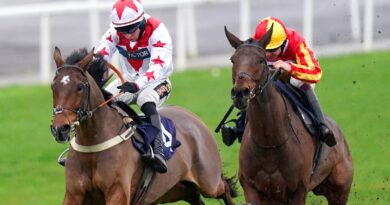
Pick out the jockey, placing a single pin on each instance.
(287, 50)
(145, 49)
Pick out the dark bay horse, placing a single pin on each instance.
(276, 153)
(111, 176)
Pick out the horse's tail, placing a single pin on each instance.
(230, 185)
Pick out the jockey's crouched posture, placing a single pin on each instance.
(287, 50)
(145, 48)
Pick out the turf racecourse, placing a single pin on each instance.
(354, 91)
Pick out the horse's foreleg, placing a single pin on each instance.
(251, 194)
(71, 199)
(298, 197)
(116, 195)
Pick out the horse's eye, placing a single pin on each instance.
(261, 61)
(80, 88)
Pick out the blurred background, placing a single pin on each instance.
(31, 28)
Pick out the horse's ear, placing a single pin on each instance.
(233, 40)
(86, 60)
(57, 57)
(266, 38)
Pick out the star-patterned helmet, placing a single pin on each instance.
(127, 12)
(278, 33)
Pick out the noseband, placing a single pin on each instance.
(83, 111)
(259, 86)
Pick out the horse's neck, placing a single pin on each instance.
(104, 124)
(268, 117)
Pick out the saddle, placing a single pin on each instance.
(146, 132)
(301, 106)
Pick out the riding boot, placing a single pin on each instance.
(326, 134)
(159, 162)
(230, 134)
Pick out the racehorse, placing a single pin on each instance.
(276, 153)
(111, 176)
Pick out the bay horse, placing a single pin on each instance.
(276, 153)
(111, 176)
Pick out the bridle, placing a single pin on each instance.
(84, 112)
(259, 88)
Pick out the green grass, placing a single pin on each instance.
(354, 91)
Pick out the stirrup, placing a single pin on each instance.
(61, 159)
(159, 164)
(148, 157)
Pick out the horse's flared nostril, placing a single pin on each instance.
(246, 92)
(60, 134)
(65, 129)
(53, 131)
(240, 93)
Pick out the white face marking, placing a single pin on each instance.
(81, 183)
(65, 80)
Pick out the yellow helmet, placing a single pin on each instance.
(278, 33)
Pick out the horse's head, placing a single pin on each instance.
(71, 89)
(250, 70)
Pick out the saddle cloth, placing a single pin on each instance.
(148, 133)
(297, 99)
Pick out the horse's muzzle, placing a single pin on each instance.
(240, 97)
(60, 134)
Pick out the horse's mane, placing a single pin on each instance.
(76, 56)
(96, 68)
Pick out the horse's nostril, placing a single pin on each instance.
(240, 93)
(246, 92)
(65, 129)
(232, 92)
(53, 130)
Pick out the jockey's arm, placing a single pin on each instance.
(306, 67)
(160, 66)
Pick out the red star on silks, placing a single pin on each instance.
(109, 38)
(103, 51)
(150, 75)
(120, 6)
(158, 61)
(159, 44)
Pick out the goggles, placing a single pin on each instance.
(129, 29)
(275, 49)
(272, 50)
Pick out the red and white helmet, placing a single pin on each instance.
(126, 12)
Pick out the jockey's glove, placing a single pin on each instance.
(130, 87)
